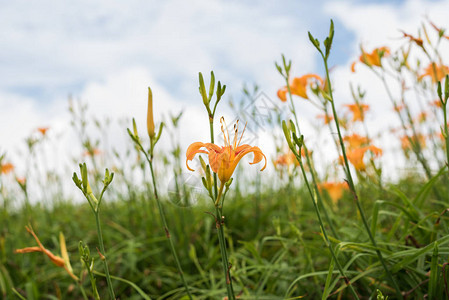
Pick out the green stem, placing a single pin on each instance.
(103, 253)
(219, 225)
(323, 230)
(309, 163)
(167, 232)
(83, 292)
(446, 131)
(352, 186)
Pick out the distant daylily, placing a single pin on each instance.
(6, 168)
(286, 159)
(355, 141)
(43, 130)
(373, 58)
(434, 71)
(223, 160)
(327, 118)
(334, 189)
(356, 156)
(298, 86)
(358, 111)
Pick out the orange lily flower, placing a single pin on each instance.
(437, 103)
(286, 159)
(6, 168)
(57, 260)
(94, 152)
(358, 111)
(327, 118)
(356, 156)
(440, 30)
(43, 130)
(355, 141)
(432, 68)
(418, 41)
(334, 189)
(373, 58)
(224, 160)
(419, 138)
(298, 86)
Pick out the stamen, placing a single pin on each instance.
(242, 133)
(236, 130)
(223, 126)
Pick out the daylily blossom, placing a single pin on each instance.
(6, 168)
(223, 160)
(298, 86)
(92, 152)
(327, 118)
(43, 130)
(355, 141)
(356, 156)
(418, 41)
(373, 58)
(436, 72)
(334, 189)
(419, 138)
(62, 262)
(286, 159)
(437, 103)
(358, 111)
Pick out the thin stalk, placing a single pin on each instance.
(309, 164)
(219, 225)
(323, 230)
(446, 131)
(352, 186)
(83, 292)
(103, 253)
(167, 232)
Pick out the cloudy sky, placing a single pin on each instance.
(106, 53)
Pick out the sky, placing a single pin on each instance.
(106, 54)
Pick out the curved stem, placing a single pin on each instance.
(167, 232)
(352, 186)
(219, 224)
(103, 253)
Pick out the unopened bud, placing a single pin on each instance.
(150, 120)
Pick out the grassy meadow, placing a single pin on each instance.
(343, 231)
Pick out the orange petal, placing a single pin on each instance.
(28, 250)
(282, 94)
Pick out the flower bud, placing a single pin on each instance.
(150, 120)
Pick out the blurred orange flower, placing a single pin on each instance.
(298, 86)
(327, 118)
(286, 159)
(416, 40)
(358, 111)
(436, 72)
(398, 108)
(334, 189)
(419, 138)
(440, 30)
(93, 152)
(356, 156)
(437, 103)
(6, 168)
(422, 117)
(224, 160)
(43, 130)
(355, 141)
(373, 58)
